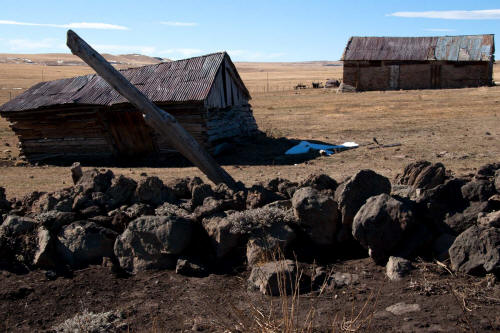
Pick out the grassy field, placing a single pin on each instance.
(458, 127)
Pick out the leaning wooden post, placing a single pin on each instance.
(155, 117)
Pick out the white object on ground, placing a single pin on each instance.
(304, 147)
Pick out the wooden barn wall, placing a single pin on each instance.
(378, 75)
(225, 90)
(192, 117)
(61, 133)
(465, 75)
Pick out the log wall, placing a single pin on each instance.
(76, 133)
(387, 75)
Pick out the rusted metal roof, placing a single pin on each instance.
(447, 48)
(177, 81)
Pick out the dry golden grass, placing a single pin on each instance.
(459, 127)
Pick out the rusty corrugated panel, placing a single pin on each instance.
(448, 48)
(176, 81)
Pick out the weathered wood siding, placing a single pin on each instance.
(225, 91)
(380, 75)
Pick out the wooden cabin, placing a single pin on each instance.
(388, 63)
(84, 118)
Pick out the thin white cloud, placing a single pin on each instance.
(439, 30)
(488, 14)
(27, 45)
(186, 52)
(179, 24)
(121, 49)
(246, 55)
(75, 25)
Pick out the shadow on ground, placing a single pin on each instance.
(260, 150)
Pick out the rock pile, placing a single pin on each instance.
(196, 228)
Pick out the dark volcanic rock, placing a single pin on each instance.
(423, 174)
(487, 171)
(54, 220)
(461, 221)
(476, 251)
(83, 243)
(441, 201)
(151, 191)
(258, 196)
(320, 182)
(380, 226)
(151, 242)
(95, 181)
(274, 277)
(200, 193)
(317, 213)
(353, 194)
(478, 190)
(120, 191)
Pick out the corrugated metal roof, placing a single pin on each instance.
(448, 48)
(177, 81)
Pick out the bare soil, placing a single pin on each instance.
(166, 302)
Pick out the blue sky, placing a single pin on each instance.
(249, 30)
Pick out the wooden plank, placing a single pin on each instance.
(154, 116)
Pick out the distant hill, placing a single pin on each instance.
(66, 59)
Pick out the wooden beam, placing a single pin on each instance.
(155, 117)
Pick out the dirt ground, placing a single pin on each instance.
(166, 302)
(458, 127)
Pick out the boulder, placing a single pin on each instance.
(317, 213)
(212, 206)
(54, 220)
(269, 244)
(45, 255)
(17, 225)
(423, 174)
(151, 191)
(76, 172)
(478, 190)
(138, 210)
(489, 219)
(200, 193)
(397, 268)
(441, 201)
(83, 243)
(169, 209)
(152, 242)
(287, 188)
(182, 187)
(460, 221)
(95, 181)
(476, 251)
(487, 171)
(258, 196)
(353, 194)
(320, 182)
(380, 225)
(274, 278)
(121, 191)
(224, 237)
